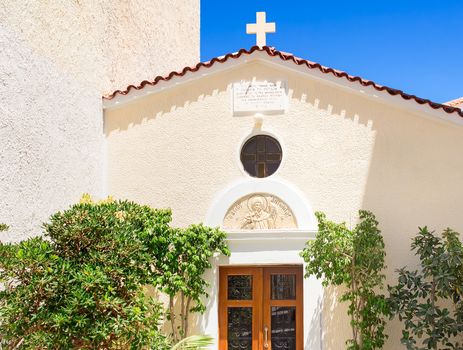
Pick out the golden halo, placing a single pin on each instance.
(257, 198)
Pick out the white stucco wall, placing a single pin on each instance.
(343, 151)
(57, 59)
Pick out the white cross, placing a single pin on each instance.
(260, 28)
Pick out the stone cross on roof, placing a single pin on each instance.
(260, 28)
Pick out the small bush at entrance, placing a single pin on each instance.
(183, 269)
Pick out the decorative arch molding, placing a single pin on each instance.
(293, 198)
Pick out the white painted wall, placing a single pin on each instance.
(343, 151)
(57, 59)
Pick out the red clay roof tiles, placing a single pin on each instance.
(455, 103)
(448, 108)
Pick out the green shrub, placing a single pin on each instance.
(183, 272)
(353, 259)
(81, 286)
(429, 302)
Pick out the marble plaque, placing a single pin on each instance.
(259, 211)
(267, 97)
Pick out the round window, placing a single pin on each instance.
(261, 155)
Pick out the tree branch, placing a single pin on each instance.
(172, 318)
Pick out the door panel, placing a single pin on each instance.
(260, 308)
(283, 328)
(240, 304)
(239, 328)
(282, 308)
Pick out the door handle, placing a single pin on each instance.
(266, 346)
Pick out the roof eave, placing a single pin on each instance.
(370, 92)
(268, 55)
(135, 94)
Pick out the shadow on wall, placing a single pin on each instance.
(315, 336)
(196, 326)
(335, 323)
(414, 179)
(163, 103)
(188, 94)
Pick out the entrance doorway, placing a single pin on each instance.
(260, 308)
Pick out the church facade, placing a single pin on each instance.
(257, 141)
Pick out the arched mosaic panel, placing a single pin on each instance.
(259, 211)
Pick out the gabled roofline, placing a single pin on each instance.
(363, 86)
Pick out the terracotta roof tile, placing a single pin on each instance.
(448, 108)
(455, 103)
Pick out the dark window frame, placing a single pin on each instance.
(261, 155)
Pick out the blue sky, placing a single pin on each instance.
(415, 46)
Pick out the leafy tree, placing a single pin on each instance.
(353, 259)
(81, 286)
(183, 268)
(430, 301)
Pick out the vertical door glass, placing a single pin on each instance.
(240, 328)
(283, 287)
(240, 287)
(283, 328)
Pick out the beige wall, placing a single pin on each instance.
(180, 148)
(57, 59)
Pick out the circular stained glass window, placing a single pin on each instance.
(261, 155)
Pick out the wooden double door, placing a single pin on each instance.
(260, 308)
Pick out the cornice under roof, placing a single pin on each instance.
(272, 52)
